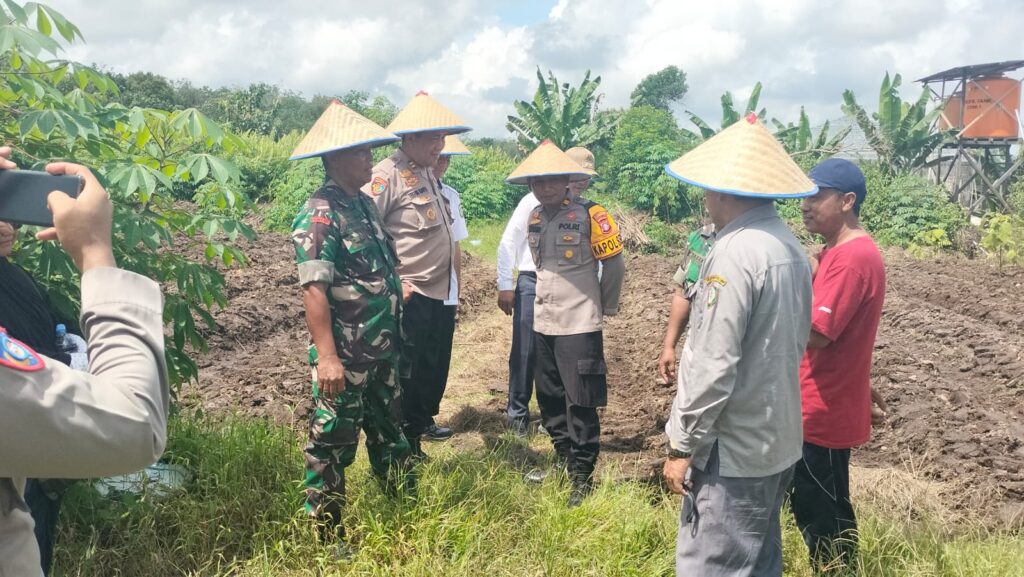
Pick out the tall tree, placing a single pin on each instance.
(566, 115)
(646, 139)
(661, 89)
(145, 89)
(901, 133)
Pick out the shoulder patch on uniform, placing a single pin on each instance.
(378, 186)
(714, 284)
(18, 356)
(604, 233)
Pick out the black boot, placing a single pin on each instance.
(329, 507)
(417, 455)
(563, 457)
(582, 476)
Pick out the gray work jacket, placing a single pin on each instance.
(739, 374)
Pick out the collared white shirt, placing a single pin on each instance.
(514, 250)
(459, 232)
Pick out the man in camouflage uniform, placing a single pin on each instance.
(686, 278)
(352, 295)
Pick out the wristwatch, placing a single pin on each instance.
(677, 454)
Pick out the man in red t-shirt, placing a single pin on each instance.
(835, 386)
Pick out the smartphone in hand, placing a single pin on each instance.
(23, 195)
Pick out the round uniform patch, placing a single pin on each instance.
(377, 186)
(571, 216)
(431, 214)
(569, 253)
(18, 356)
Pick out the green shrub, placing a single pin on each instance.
(1003, 238)
(664, 238)
(289, 192)
(261, 160)
(220, 199)
(899, 209)
(646, 139)
(1015, 197)
(480, 180)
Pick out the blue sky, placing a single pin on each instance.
(478, 56)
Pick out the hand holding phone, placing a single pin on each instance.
(82, 224)
(23, 195)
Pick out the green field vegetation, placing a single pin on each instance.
(488, 233)
(474, 516)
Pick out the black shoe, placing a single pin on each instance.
(416, 454)
(578, 495)
(580, 491)
(436, 432)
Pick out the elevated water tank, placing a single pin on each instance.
(950, 117)
(992, 104)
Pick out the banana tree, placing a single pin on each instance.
(566, 115)
(729, 115)
(901, 133)
(806, 148)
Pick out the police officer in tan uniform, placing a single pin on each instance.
(419, 218)
(56, 422)
(570, 238)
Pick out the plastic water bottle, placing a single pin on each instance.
(64, 344)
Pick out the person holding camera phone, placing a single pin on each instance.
(56, 422)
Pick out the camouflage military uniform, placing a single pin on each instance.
(339, 241)
(697, 246)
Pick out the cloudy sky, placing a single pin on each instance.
(477, 56)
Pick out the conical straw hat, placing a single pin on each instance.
(546, 160)
(338, 128)
(424, 114)
(744, 160)
(584, 158)
(453, 146)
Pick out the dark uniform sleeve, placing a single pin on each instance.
(316, 239)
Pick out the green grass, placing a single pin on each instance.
(474, 516)
(488, 233)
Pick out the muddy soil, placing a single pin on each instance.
(949, 361)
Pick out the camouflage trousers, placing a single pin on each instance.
(369, 402)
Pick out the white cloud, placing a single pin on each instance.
(806, 52)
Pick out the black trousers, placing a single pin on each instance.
(820, 501)
(572, 382)
(522, 358)
(428, 326)
(45, 508)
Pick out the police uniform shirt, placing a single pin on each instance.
(567, 248)
(60, 423)
(418, 217)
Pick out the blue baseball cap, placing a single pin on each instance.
(841, 175)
